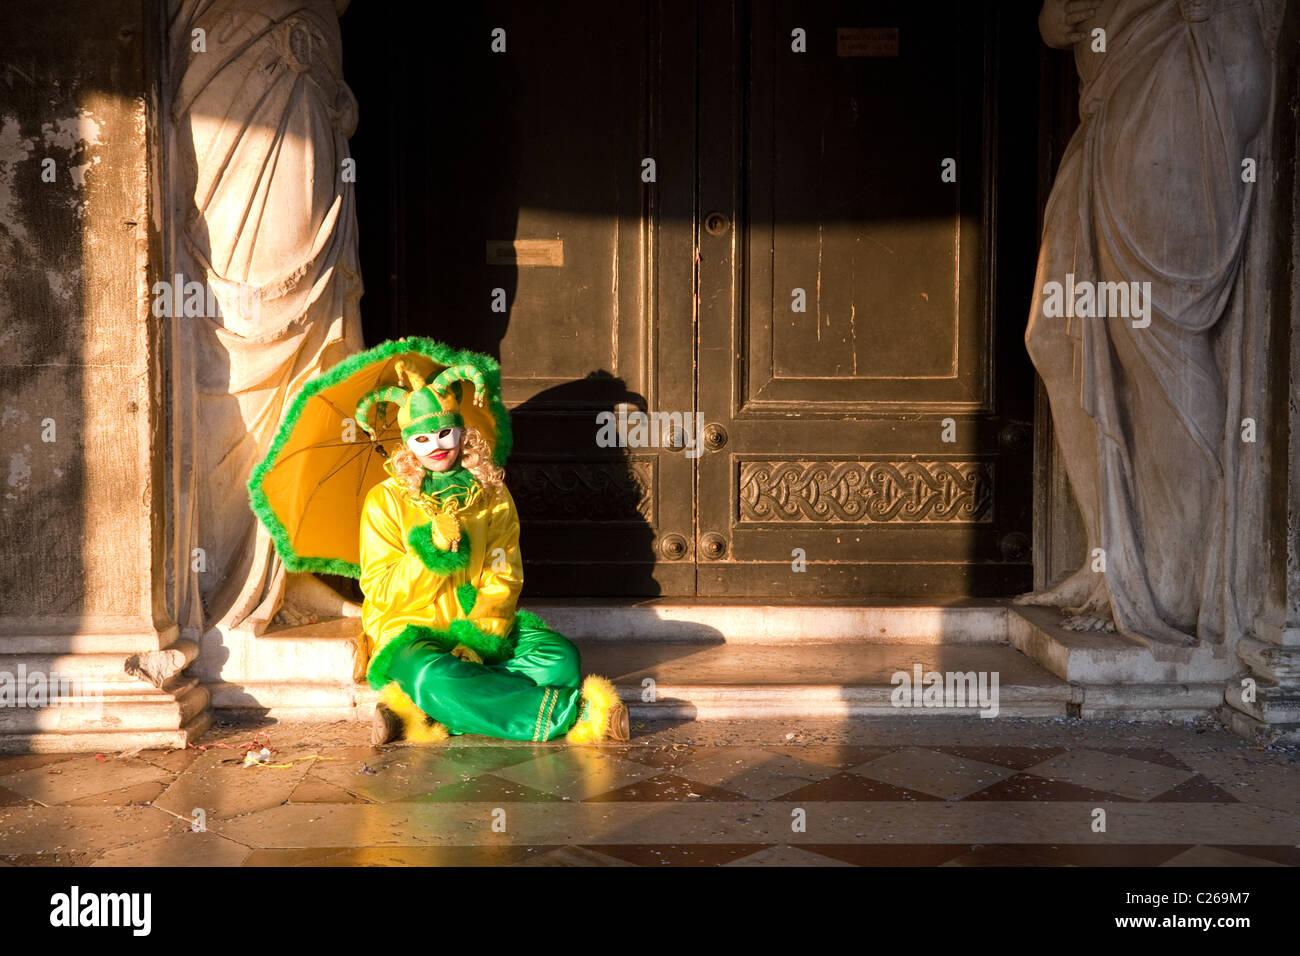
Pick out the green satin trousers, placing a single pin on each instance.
(536, 695)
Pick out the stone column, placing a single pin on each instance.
(81, 570)
(1263, 703)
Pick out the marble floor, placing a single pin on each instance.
(897, 792)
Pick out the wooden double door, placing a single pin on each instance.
(781, 252)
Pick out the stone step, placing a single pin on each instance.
(78, 668)
(712, 661)
(316, 700)
(718, 681)
(109, 707)
(1272, 704)
(661, 621)
(322, 652)
(107, 741)
(1098, 657)
(815, 680)
(309, 653)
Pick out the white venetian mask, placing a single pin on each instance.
(428, 442)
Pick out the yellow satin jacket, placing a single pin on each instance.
(400, 590)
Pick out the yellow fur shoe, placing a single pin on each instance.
(603, 717)
(397, 718)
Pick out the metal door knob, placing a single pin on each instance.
(715, 436)
(673, 547)
(713, 545)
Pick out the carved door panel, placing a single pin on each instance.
(861, 361)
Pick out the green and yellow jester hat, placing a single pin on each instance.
(424, 408)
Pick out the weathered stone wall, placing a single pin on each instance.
(76, 354)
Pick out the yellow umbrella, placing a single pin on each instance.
(309, 489)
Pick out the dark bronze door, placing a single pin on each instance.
(867, 421)
(622, 204)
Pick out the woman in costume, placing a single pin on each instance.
(441, 574)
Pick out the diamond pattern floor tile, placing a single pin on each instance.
(928, 771)
(757, 774)
(786, 856)
(1026, 786)
(576, 773)
(837, 757)
(1111, 773)
(669, 854)
(1196, 789)
(853, 787)
(1017, 758)
(490, 855)
(575, 856)
(1112, 854)
(889, 854)
(1153, 755)
(1286, 855)
(487, 788)
(1006, 855)
(1217, 856)
(666, 788)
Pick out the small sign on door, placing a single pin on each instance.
(525, 252)
(866, 41)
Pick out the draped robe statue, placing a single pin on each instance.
(1153, 189)
(264, 216)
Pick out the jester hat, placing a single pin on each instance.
(424, 408)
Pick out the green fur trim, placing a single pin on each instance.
(440, 353)
(377, 673)
(467, 596)
(446, 563)
(491, 648)
(530, 619)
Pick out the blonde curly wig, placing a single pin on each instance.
(475, 456)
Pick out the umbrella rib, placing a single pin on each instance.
(324, 478)
(369, 442)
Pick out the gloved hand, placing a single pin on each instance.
(465, 654)
(445, 532)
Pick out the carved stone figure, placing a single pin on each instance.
(1154, 191)
(263, 215)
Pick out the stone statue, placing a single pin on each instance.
(1141, 302)
(263, 216)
